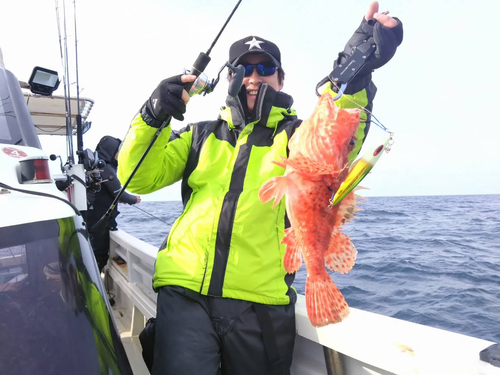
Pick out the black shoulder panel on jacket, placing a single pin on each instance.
(175, 134)
(200, 132)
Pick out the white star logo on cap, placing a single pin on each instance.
(254, 43)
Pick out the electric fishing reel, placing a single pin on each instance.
(93, 180)
(93, 167)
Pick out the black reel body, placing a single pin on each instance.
(93, 167)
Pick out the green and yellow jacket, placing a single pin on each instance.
(226, 243)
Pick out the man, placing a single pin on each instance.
(99, 201)
(225, 302)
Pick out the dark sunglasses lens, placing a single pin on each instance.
(248, 70)
(265, 70)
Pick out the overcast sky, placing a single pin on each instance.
(438, 94)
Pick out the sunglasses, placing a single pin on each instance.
(263, 69)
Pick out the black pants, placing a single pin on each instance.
(204, 335)
(100, 243)
(100, 246)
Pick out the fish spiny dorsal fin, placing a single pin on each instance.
(349, 206)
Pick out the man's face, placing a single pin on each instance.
(253, 82)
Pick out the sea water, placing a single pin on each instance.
(433, 260)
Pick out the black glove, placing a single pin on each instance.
(166, 100)
(387, 40)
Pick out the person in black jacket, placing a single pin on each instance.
(98, 202)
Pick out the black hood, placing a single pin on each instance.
(107, 148)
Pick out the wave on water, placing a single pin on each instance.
(433, 260)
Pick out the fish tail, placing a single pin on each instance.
(293, 257)
(325, 304)
(275, 188)
(341, 253)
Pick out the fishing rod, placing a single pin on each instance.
(79, 130)
(64, 62)
(199, 85)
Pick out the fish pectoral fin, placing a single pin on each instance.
(293, 255)
(341, 253)
(275, 188)
(280, 163)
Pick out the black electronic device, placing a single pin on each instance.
(43, 81)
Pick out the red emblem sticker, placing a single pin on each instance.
(14, 152)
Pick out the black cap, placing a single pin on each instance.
(251, 45)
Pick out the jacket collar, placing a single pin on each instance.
(270, 108)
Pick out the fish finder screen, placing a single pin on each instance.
(44, 78)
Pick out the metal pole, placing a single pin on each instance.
(333, 361)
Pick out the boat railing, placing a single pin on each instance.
(134, 275)
(364, 343)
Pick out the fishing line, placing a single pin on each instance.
(329, 188)
(361, 167)
(197, 69)
(376, 122)
(157, 218)
(373, 120)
